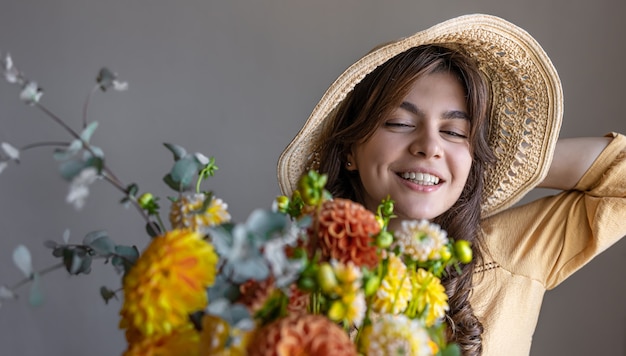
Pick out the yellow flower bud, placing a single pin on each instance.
(337, 311)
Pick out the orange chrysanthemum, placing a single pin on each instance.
(345, 232)
(167, 283)
(305, 334)
(299, 300)
(254, 294)
(179, 342)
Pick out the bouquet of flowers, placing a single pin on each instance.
(310, 275)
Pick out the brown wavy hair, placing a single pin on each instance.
(357, 117)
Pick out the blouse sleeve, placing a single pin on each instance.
(551, 238)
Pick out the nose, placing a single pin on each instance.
(426, 144)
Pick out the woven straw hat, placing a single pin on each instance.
(527, 104)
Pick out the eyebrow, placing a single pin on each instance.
(452, 114)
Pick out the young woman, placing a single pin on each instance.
(456, 123)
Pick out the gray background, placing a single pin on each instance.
(236, 80)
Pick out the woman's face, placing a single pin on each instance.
(420, 153)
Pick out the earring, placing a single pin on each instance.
(349, 164)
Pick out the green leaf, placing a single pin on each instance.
(35, 296)
(88, 131)
(451, 350)
(99, 242)
(178, 151)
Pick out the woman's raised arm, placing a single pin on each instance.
(572, 158)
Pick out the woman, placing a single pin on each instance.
(456, 124)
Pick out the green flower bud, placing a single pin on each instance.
(371, 285)
(463, 251)
(384, 239)
(145, 200)
(326, 278)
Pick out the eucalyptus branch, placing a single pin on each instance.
(45, 144)
(87, 102)
(41, 273)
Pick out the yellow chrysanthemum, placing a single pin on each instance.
(395, 289)
(395, 335)
(420, 240)
(179, 342)
(168, 282)
(187, 212)
(429, 297)
(219, 339)
(351, 305)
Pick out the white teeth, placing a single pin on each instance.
(421, 178)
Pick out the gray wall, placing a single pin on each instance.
(236, 80)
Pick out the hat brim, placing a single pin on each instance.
(526, 114)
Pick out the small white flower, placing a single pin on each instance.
(12, 152)
(31, 93)
(79, 188)
(120, 86)
(11, 74)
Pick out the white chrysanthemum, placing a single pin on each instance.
(190, 212)
(397, 335)
(420, 240)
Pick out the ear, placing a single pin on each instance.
(350, 163)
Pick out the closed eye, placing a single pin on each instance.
(454, 133)
(397, 124)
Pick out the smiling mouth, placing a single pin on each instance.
(420, 178)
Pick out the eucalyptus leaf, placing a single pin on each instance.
(223, 288)
(184, 171)
(66, 153)
(59, 251)
(102, 246)
(178, 151)
(107, 294)
(50, 244)
(71, 168)
(93, 236)
(254, 268)
(265, 223)
(66, 236)
(86, 134)
(153, 229)
(35, 296)
(128, 253)
(77, 262)
(23, 260)
(105, 78)
(6, 293)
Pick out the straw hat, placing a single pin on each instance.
(527, 104)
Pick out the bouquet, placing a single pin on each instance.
(309, 275)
